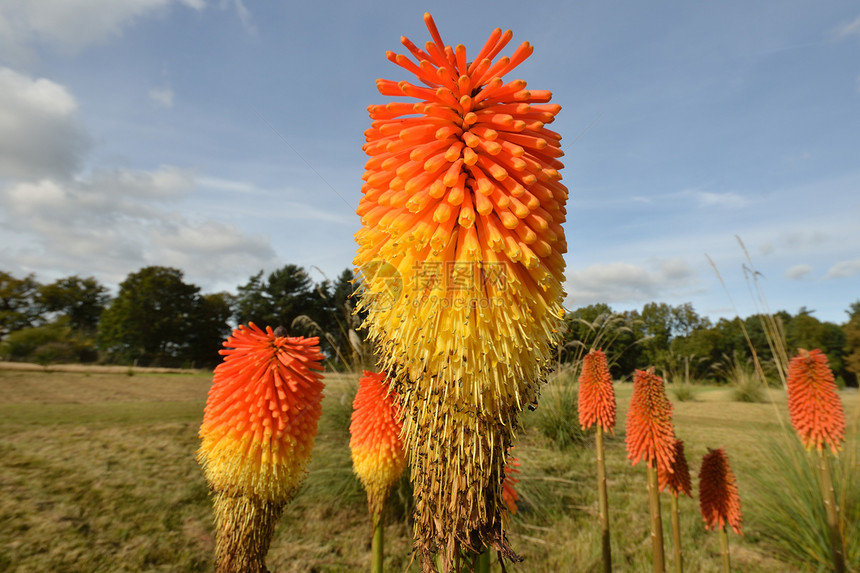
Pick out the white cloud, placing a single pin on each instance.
(39, 131)
(797, 272)
(162, 96)
(71, 24)
(848, 28)
(708, 199)
(628, 283)
(844, 269)
(243, 13)
(116, 221)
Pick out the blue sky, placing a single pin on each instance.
(224, 137)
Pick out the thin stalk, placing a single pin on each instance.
(656, 520)
(724, 549)
(676, 535)
(829, 497)
(603, 502)
(484, 561)
(376, 548)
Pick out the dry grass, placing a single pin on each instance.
(97, 473)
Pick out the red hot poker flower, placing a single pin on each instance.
(718, 492)
(678, 479)
(257, 435)
(813, 403)
(596, 395)
(378, 457)
(262, 412)
(650, 433)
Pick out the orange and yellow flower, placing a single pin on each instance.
(257, 434)
(676, 478)
(460, 259)
(650, 432)
(813, 403)
(596, 395)
(378, 457)
(718, 492)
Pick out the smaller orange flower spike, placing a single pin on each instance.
(813, 403)
(718, 492)
(677, 478)
(509, 492)
(596, 395)
(650, 433)
(257, 435)
(378, 457)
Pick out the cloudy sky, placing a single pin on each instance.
(224, 137)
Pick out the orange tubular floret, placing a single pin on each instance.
(650, 433)
(596, 395)
(813, 402)
(261, 415)
(718, 492)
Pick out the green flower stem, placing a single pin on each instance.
(656, 520)
(829, 497)
(377, 550)
(484, 561)
(603, 501)
(724, 549)
(676, 535)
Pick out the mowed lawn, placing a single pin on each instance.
(98, 473)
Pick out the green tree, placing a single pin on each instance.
(806, 331)
(851, 329)
(209, 327)
(80, 301)
(152, 318)
(285, 294)
(18, 303)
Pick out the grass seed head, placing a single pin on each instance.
(378, 457)
(718, 492)
(813, 402)
(460, 259)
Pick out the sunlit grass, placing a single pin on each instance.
(112, 484)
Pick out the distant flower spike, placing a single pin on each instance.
(509, 491)
(650, 432)
(718, 492)
(257, 435)
(813, 403)
(596, 395)
(378, 457)
(678, 479)
(460, 259)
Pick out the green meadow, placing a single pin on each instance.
(98, 473)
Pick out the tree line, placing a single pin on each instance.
(684, 346)
(157, 318)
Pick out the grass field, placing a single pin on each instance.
(97, 473)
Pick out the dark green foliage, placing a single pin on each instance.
(80, 301)
(18, 303)
(158, 319)
(48, 344)
(287, 293)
